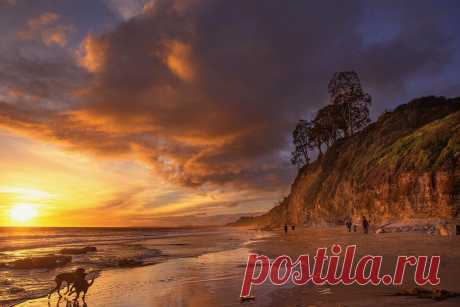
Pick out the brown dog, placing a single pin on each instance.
(70, 278)
(81, 285)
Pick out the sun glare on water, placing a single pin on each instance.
(22, 213)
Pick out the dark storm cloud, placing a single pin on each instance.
(423, 43)
(218, 82)
(208, 91)
(48, 81)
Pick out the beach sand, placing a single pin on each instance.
(214, 279)
(387, 245)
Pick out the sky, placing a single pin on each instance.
(179, 112)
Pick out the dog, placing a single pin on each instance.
(81, 285)
(69, 278)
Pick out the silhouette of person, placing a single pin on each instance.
(285, 228)
(365, 225)
(348, 224)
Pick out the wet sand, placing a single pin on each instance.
(387, 245)
(214, 279)
(210, 279)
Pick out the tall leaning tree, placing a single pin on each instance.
(347, 94)
(302, 143)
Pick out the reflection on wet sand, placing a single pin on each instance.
(215, 278)
(67, 302)
(210, 279)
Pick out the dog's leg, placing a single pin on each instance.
(59, 289)
(58, 303)
(68, 288)
(58, 286)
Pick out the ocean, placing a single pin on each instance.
(135, 246)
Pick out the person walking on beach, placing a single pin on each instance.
(285, 229)
(365, 225)
(348, 224)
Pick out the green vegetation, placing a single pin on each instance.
(404, 141)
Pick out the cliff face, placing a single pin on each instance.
(405, 165)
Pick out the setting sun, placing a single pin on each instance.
(22, 213)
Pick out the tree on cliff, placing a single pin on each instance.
(316, 136)
(352, 102)
(347, 114)
(328, 123)
(307, 136)
(302, 143)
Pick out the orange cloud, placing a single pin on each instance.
(191, 132)
(43, 20)
(178, 59)
(57, 35)
(92, 53)
(36, 24)
(43, 28)
(16, 93)
(204, 95)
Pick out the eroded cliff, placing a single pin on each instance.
(405, 165)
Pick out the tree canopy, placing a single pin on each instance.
(347, 113)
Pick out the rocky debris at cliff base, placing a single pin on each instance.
(428, 226)
(41, 262)
(435, 294)
(78, 251)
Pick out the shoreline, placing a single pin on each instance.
(244, 237)
(215, 278)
